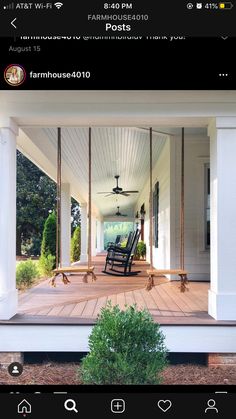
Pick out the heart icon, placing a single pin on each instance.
(164, 405)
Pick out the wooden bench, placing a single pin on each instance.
(160, 272)
(73, 269)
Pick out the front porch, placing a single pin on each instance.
(61, 319)
(80, 303)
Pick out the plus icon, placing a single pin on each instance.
(117, 406)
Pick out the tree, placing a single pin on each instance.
(75, 213)
(49, 236)
(76, 245)
(36, 196)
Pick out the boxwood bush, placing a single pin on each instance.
(76, 245)
(47, 264)
(26, 273)
(126, 347)
(48, 246)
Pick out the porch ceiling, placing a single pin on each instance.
(115, 151)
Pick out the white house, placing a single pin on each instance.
(120, 121)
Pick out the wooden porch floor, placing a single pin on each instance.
(80, 303)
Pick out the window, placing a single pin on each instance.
(207, 206)
(156, 213)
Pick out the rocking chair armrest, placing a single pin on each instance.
(116, 249)
(112, 244)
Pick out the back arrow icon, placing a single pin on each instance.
(13, 23)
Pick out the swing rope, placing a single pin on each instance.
(58, 229)
(182, 204)
(150, 202)
(89, 272)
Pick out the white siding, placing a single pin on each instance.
(161, 174)
(167, 171)
(197, 258)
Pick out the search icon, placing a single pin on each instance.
(70, 405)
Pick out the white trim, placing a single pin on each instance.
(74, 338)
(8, 123)
(226, 122)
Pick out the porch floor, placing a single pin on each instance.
(80, 303)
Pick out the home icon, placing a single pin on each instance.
(24, 407)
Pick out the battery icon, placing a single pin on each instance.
(226, 6)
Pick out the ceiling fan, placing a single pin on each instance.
(118, 190)
(118, 213)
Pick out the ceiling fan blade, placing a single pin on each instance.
(130, 191)
(98, 193)
(124, 194)
(109, 194)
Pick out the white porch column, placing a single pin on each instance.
(84, 233)
(8, 292)
(222, 295)
(94, 236)
(65, 224)
(102, 236)
(98, 247)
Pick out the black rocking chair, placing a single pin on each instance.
(122, 258)
(116, 242)
(116, 247)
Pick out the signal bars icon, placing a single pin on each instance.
(58, 5)
(10, 6)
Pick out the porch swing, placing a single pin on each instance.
(64, 270)
(152, 273)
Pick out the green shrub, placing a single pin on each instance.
(48, 246)
(141, 250)
(76, 245)
(126, 347)
(47, 264)
(26, 273)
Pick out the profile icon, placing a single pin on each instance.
(15, 369)
(15, 75)
(211, 406)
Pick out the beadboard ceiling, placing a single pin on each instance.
(115, 151)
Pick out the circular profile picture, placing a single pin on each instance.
(15, 75)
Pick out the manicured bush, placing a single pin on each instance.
(141, 250)
(76, 245)
(26, 273)
(126, 347)
(47, 264)
(48, 246)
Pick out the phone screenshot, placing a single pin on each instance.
(117, 209)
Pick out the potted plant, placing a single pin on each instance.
(141, 251)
